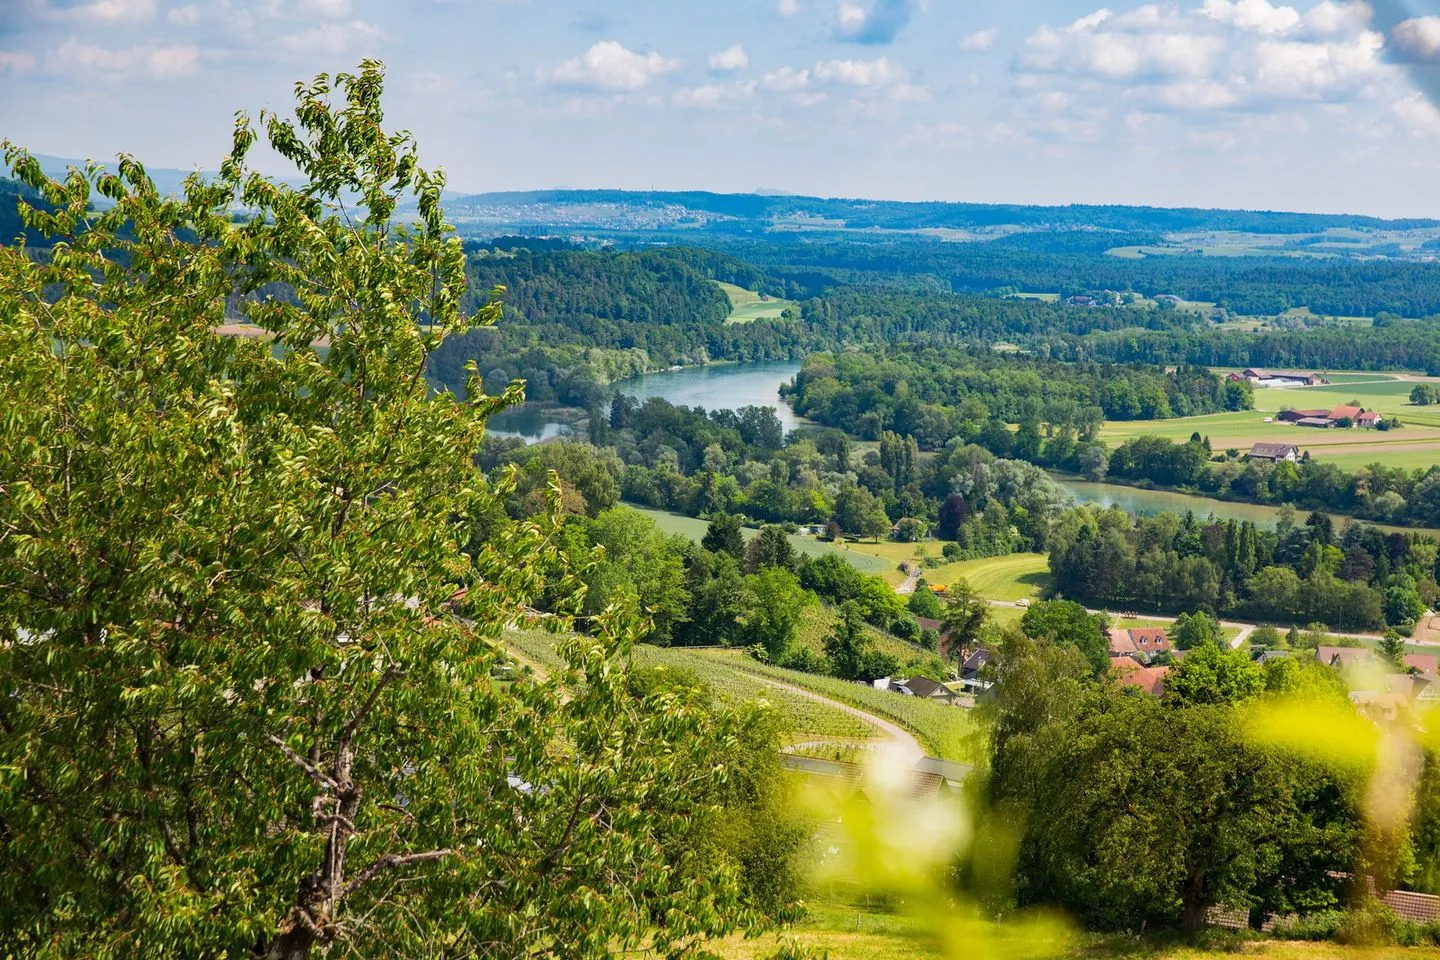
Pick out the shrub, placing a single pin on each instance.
(1369, 924)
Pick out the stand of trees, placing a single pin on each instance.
(1361, 580)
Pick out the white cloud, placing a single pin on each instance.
(156, 63)
(714, 95)
(878, 21)
(185, 16)
(1257, 15)
(859, 73)
(328, 9)
(17, 61)
(113, 11)
(1418, 38)
(787, 80)
(1417, 115)
(787, 8)
(610, 66)
(980, 40)
(333, 39)
(1222, 55)
(732, 58)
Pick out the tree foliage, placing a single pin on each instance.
(248, 701)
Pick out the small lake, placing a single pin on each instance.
(716, 386)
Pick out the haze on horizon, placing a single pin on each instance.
(1299, 105)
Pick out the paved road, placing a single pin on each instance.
(897, 738)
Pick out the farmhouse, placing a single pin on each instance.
(1325, 419)
(926, 689)
(974, 675)
(1275, 452)
(1146, 642)
(1131, 674)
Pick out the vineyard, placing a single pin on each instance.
(946, 732)
(808, 720)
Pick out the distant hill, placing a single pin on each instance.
(623, 210)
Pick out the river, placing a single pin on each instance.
(722, 386)
(716, 386)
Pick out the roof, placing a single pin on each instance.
(1139, 639)
(980, 658)
(1423, 662)
(928, 624)
(925, 687)
(1315, 421)
(1343, 656)
(1121, 644)
(1274, 451)
(1344, 411)
(1131, 674)
(1368, 415)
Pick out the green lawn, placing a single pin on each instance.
(747, 306)
(1019, 576)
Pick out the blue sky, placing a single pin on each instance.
(1238, 103)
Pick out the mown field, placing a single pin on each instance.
(747, 306)
(849, 932)
(1020, 576)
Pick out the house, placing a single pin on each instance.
(1344, 657)
(975, 673)
(1275, 452)
(1368, 418)
(1347, 412)
(1145, 641)
(1422, 663)
(1129, 673)
(927, 689)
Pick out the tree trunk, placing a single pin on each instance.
(1192, 918)
(294, 944)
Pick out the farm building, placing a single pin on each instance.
(1324, 419)
(1275, 452)
(1282, 378)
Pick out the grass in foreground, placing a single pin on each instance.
(849, 932)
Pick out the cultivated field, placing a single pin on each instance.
(820, 621)
(1020, 576)
(747, 306)
(1417, 445)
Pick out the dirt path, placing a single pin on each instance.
(896, 737)
(910, 583)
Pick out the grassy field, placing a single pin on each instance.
(1020, 576)
(850, 932)
(747, 306)
(695, 529)
(1415, 446)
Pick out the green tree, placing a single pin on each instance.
(725, 536)
(248, 708)
(1210, 673)
(852, 653)
(1194, 630)
(771, 548)
(778, 603)
(966, 613)
(1068, 623)
(1392, 649)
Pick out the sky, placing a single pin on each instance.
(1217, 103)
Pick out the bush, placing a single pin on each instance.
(1321, 925)
(1370, 924)
(804, 660)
